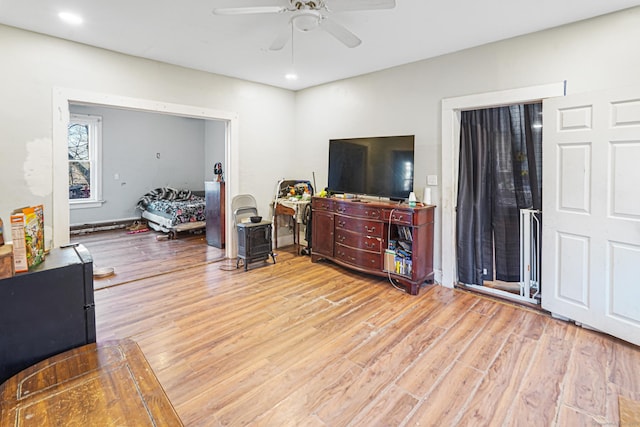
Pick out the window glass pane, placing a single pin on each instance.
(79, 180)
(78, 141)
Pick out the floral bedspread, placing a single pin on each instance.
(180, 206)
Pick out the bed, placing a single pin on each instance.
(171, 211)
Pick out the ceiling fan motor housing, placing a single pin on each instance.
(306, 4)
(306, 21)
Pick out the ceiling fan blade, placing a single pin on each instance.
(346, 6)
(282, 39)
(249, 10)
(340, 32)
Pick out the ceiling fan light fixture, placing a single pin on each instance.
(306, 21)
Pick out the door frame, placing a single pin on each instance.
(451, 110)
(63, 97)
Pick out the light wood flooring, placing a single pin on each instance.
(303, 344)
(141, 255)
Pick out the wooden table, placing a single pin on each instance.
(110, 384)
(292, 210)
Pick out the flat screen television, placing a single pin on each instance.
(378, 166)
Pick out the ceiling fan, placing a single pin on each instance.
(308, 15)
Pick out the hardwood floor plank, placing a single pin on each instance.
(625, 360)
(537, 400)
(385, 340)
(569, 416)
(308, 377)
(390, 409)
(421, 376)
(502, 323)
(585, 386)
(491, 401)
(451, 312)
(444, 404)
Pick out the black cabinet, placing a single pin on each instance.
(46, 311)
(214, 213)
(254, 242)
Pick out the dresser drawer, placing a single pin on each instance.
(357, 225)
(358, 241)
(357, 257)
(360, 210)
(398, 216)
(322, 204)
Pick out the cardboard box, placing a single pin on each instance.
(6, 261)
(27, 235)
(19, 243)
(389, 260)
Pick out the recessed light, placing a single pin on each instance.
(70, 18)
(291, 76)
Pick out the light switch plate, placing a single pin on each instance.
(432, 179)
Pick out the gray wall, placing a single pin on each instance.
(131, 141)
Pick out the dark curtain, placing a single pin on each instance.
(500, 172)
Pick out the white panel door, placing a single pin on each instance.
(591, 210)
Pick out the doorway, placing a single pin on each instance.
(451, 115)
(63, 97)
(500, 178)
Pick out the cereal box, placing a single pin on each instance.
(27, 234)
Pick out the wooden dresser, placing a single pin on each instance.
(375, 237)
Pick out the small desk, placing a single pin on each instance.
(93, 385)
(294, 210)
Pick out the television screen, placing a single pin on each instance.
(377, 166)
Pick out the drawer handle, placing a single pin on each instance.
(341, 223)
(341, 210)
(341, 238)
(369, 245)
(374, 214)
(398, 218)
(343, 255)
(370, 230)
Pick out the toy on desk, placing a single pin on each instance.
(217, 170)
(294, 189)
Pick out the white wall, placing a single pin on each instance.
(33, 65)
(595, 54)
(214, 135)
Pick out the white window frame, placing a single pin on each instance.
(94, 124)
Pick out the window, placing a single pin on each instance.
(84, 149)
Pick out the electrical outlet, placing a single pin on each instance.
(432, 179)
(484, 271)
(116, 176)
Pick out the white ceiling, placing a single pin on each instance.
(187, 33)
